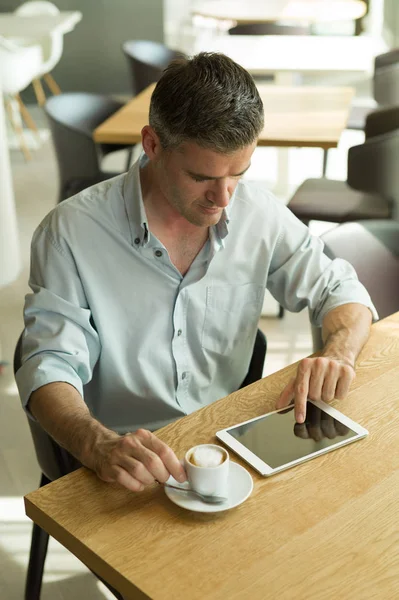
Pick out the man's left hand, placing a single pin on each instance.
(321, 378)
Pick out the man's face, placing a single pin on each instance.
(198, 183)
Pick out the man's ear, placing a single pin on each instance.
(150, 142)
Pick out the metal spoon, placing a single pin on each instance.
(205, 497)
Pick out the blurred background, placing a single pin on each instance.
(66, 67)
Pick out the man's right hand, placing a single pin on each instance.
(136, 460)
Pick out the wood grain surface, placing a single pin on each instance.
(294, 116)
(325, 529)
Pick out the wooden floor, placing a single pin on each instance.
(36, 190)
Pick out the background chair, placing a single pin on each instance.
(269, 29)
(18, 67)
(372, 248)
(372, 187)
(385, 89)
(147, 60)
(55, 462)
(73, 118)
(385, 93)
(52, 47)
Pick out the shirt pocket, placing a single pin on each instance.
(231, 316)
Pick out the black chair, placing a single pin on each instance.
(372, 187)
(73, 118)
(372, 248)
(385, 88)
(147, 60)
(55, 462)
(360, 24)
(269, 29)
(255, 369)
(385, 93)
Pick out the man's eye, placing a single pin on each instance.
(198, 178)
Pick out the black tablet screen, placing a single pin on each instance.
(277, 439)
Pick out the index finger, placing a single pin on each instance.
(167, 456)
(301, 390)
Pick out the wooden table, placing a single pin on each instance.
(328, 528)
(294, 116)
(36, 27)
(264, 11)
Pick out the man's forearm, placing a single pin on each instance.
(62, 412)
(345, 331)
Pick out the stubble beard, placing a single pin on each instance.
(193, 213)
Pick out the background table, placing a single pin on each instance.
(263, 11)
(294, 116)
(324, 529)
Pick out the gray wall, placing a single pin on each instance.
(391, 21)
(93, 60)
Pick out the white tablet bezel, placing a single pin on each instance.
(265, 469)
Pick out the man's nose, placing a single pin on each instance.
(220, 193)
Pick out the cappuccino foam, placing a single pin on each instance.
(204, 456)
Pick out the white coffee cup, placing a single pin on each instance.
(210, 480)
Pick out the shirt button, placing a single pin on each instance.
(179, 332)
(137, 241)
(158, 253)
(183, 375)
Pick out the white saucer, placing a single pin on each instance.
(240, 486)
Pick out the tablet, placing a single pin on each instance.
(274, 442)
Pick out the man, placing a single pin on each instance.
(147, 288)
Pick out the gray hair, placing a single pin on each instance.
(208, 99)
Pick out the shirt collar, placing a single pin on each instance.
(134, 204)
(221, 229)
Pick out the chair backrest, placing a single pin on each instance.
(373, 167)
(269, 29)
(72, 119)
(147, 60)
(372, 248)
(19, 65)
(52, 45)
(382, 120)
(255, 370)
(386, 78)
(37, 7)
(53, 460)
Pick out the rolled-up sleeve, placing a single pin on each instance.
(302, 275)
(59, 342)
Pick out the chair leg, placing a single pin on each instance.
(26, 114)
(27, 117)
(37, 556)
(15, 120)
(325, 158)
(39, 92)
(52, 84)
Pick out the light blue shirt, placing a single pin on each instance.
(111, 315)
